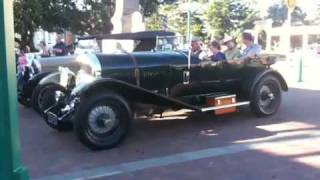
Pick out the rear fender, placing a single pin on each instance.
(253, 79)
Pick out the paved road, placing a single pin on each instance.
(197, 146)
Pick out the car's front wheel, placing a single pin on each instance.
(102, 120)
(46, 95)
(266, 96)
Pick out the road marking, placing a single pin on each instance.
(107, 171)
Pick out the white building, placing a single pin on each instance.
(286, 38)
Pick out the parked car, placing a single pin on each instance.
(100, 99)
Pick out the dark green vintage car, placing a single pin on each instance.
(28, 81)
(100, 99)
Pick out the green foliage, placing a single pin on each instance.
(298, 16)
(94, 17)
(279, 14)
(149, 7)
(26, 20)
(316, 21)
(229, 17)
(89, 17)
(155, 22)
(171, 17)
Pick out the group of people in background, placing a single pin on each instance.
(63, 47)
(232, 54)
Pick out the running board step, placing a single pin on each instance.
(212, 108)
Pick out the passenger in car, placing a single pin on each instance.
(232, 52)
(215, 49)
(252, 50)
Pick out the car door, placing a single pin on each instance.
(206, 75)
(196, 80)
(230, 75)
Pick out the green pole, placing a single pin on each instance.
(189, 22)
(10, 159)
(300, 70)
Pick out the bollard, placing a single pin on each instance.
(300, 70)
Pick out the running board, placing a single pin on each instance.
(224, 106)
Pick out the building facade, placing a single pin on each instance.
(286, 38)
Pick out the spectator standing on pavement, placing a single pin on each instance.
(59, 49)
(215, 49)
(69, 43)
(232, 52)
(44, 52)
(22, 59)
(252, 50)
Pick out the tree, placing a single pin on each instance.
(92, 17)
(149, 7)
(173, 18)
(155, 22)
(279, 14)
(298, 16)
(85, 17)
(95, 17)
(316, 20)
(26, 20)
(229, 17)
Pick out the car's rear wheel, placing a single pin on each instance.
(102, 120)
(266, 96)
(24, 102)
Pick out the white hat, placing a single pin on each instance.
(227, 39)
(195, 38)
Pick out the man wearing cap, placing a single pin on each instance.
(232, 52)
(251, 49)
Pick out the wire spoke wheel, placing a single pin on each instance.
(266, 97)
(102, 120)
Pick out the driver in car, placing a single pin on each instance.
(196, 48)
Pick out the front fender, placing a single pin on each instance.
(66, 80)
(132, 93)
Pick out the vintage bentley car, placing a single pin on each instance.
(29, 80)
(99, 100)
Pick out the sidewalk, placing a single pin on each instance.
(310, 73)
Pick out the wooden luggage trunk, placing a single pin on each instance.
(222, 101)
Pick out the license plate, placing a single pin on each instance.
(52, 119)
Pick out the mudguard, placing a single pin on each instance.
(132, 93)
(31, 84)
(61, 78)
(252, 79)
